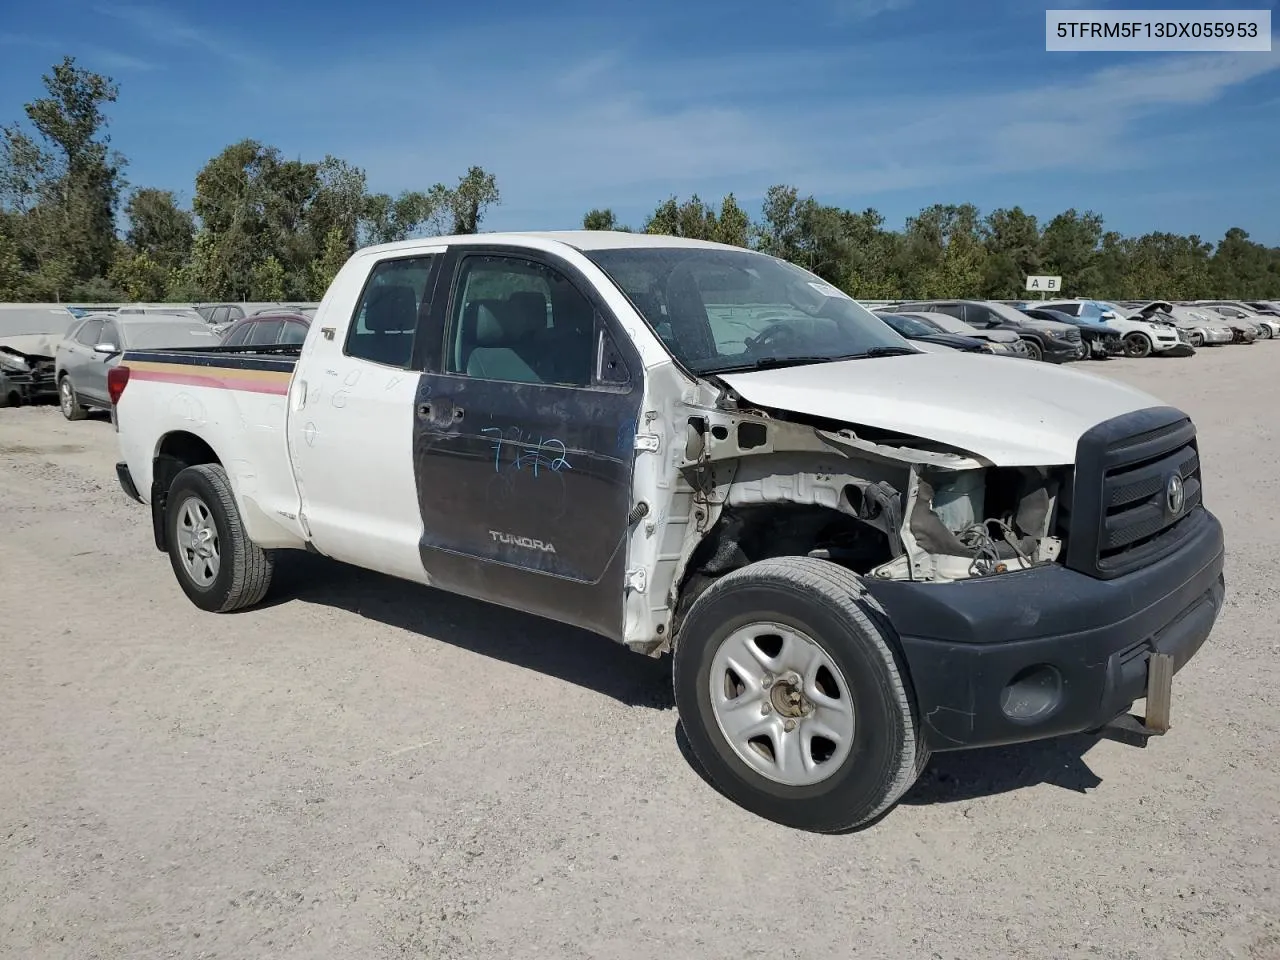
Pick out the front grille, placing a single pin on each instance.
(1120, 516)
(1073, 335)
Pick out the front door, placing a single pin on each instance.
(525, 442)
(351, 420)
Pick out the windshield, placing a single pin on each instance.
(908, 326)
(720, 310)
(169, 333)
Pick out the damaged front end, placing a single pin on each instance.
(769, 483)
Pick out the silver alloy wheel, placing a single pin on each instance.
(67, 397)
(198, 542)
(782, 704)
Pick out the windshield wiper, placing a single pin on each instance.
(765, 363)
(883, 352)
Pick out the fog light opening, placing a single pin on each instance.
(1033, 694)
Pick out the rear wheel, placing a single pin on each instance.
(1033, 350)
(1137, 345)
(1264, 332)
(1197, 340)
(218, 567)
(793, 697)
(69, 401)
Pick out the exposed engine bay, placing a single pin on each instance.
(885, 505)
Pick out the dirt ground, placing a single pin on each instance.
(364, 768)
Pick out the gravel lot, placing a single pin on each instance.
(367, 769)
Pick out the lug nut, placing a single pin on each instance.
(789, 726)
(766, 708)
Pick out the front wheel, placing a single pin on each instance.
(1137, 346)
(793, 697)
(69, 401)
(218, 567)
(1264, 332)
(1034, 352)
(1197, 340)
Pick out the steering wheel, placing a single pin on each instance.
(777, 327)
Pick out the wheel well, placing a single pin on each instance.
(176, 452)
(745, 535)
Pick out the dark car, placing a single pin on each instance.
(915, 329)
(1101, 340)
(265, 329)
(1050, 341)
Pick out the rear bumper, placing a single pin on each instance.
(126, 481)
(1047, 652)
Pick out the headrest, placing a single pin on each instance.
(529, 310)
(391, 309)
(490, 331)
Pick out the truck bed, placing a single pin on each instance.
(254, 369)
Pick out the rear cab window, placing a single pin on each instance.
(386, 316)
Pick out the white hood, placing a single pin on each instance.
(1011, 413)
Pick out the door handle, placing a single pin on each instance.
(424, 411)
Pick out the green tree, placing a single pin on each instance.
(1069, 248)
(63, 181)
(598, 219)
(268, 280)
(330, 261)
(158, 227)
(1011, 238)
(475, 193)
(138, 276)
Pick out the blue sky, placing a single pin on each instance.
(894, 104)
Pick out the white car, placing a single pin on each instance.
(1203, 327)
(1268, 326)
(856, 552)
(1141, 338)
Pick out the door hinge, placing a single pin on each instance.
(636, 580)
(648, 442)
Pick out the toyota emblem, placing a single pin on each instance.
(1174, 494)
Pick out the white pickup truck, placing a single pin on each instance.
(856, 552)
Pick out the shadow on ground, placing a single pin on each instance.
(575, 656)
(973, 774)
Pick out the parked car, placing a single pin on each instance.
(306, 309)
(856, 552)
(15, 380)
(29, 335)
(1102, 341)
(1203, 328)
(1045, 340)
(918, 330)
(1269, 307)
(1268, 327)
(1002, 342)
(94, 344)
(261, 329)
(1141, 338)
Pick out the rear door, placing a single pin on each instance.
(351, 418)
(524, 439)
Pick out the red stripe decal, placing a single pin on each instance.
(278, 388)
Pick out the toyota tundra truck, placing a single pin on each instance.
(856, 553)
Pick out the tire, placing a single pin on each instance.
(1197, 340)
(1137, 345)
(811, 608)
(1264, 332)
(69, 401)
(1034, 351)
(200, 499)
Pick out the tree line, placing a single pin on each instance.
(262, 226)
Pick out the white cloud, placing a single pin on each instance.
(167, 29)
(866, 9)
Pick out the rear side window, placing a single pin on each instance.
(386, 316)
(950, 309)
(237, 335)
(264, 333)
(294, 332)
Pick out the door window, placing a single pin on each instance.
(523, 321)
(264, 332)
(109, 333)
(386, 317)
(88, 334)
(294, 332)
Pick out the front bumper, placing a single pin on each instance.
(1063, 351)
(1047, 652)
